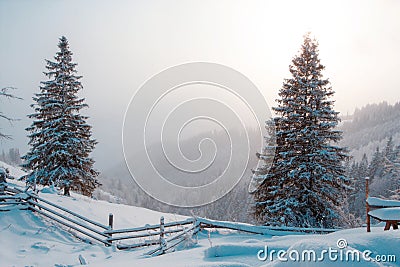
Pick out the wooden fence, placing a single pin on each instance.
(165, 235)
(147, 235)
(11, 198)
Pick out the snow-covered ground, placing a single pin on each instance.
(27, 239)
(14, 171)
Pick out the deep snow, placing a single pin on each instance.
(27, 239)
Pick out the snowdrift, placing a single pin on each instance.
(28, 239)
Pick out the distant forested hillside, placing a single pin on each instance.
(234, 206)
(370, 127)
(373, 137)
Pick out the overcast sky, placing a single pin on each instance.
(118, 45)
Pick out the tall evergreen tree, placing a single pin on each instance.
(391, 169)
(358, 174)
(396, 182)
(307, 180)
(60, 138)
(376, 166)
(389, 149)
(363, 167)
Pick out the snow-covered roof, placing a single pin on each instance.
(379, 202)
(386, 214)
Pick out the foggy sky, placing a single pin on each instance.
(118, 45)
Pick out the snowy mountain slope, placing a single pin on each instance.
(370, 127)
(235, 205)
(238, 249)
(27, 239)
(31, 236)
(14, 171)
(124, 216)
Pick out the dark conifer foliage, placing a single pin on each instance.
(307, 180)
(60, 138)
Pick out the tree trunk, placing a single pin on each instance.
(66, 190)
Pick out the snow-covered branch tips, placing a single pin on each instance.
(60, 138)
(307, 181)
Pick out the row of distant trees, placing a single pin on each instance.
(12, 156)
(59, 138)
(373, 114)
(383, 171)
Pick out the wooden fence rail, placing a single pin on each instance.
(70, 226)
(37, 198)
(90, 228)
(53, 211)
(10, 199)
(150, 227)
(165, 235)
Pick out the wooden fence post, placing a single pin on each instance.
(367, 205)
(163, 243)
(162, 229)
(3, 181)
(110, 224)
(196, 228)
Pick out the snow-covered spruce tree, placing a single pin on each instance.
(376, 166)
(391, 168)
(307, 180)
(60, 139)
(358, 174)
(389, 152)
(396, 163)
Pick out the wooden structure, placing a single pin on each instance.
(165, 235)
(383, 210)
